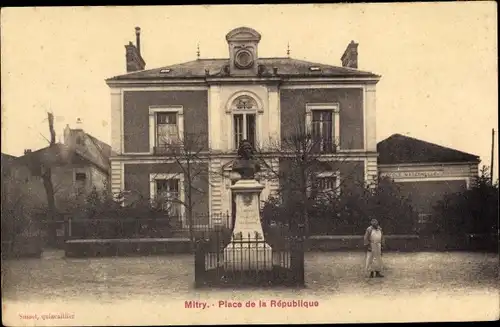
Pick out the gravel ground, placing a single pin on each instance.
(417, 287)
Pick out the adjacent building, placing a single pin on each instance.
(78, 165)
(425, 171)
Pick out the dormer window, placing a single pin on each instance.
(314, 69)
(165, 71)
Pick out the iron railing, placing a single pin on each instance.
(249, 260)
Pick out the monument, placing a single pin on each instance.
(247, 249)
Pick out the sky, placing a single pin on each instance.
(438, 61)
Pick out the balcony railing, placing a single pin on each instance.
(167, 149)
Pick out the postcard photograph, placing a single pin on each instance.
(249, 164)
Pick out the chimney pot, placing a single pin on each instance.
(138, 39)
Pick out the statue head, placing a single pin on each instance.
(246, 165)
(245, 150)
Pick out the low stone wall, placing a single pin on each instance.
(408, 243)
(22, 247)
(393, 243)
(468, 242)
(125, 247)
(355, 243)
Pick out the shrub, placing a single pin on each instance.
(103, 217)
(473, 211)
(350, 212)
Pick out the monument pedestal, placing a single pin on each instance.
(247, 249)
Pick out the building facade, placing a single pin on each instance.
(78, 165)
(426, 172)
(209, 106)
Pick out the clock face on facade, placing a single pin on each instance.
(243, 59)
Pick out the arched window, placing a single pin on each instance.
(244, 109)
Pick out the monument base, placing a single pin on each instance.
(248, 255)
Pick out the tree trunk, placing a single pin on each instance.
(51, 206)
(305, 201)
(49, 187)
(190, 206)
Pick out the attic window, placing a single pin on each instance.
(165, 71)
(314, 68)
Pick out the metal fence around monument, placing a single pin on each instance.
(245, 265)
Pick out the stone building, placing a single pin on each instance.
(220, 102)
(78, 165)
(223, 101)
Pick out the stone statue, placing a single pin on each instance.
(246, 165)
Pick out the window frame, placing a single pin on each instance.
(335, 110)
(162, 176)
(244, 113)
(78, 190)
(153, 121)
(329, 174)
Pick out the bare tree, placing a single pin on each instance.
(190, 155)
(303, 155)
(46, 172)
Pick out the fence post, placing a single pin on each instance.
(199, 263)
(70, 232)
(297, 260)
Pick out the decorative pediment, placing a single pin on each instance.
(244, 102)
(243, 34)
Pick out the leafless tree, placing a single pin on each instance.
(46, 172)
(302, 156)
(191, 156)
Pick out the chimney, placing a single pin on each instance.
(138, 39)
(350, 57)
(133, 56)
(26, 151)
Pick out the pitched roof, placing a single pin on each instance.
(287, 67)
(6, 158)
(104, 148)
(58, 154)
(400, 149)
(99, 158)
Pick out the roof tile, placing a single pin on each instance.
(400, 149)
(286, 67)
